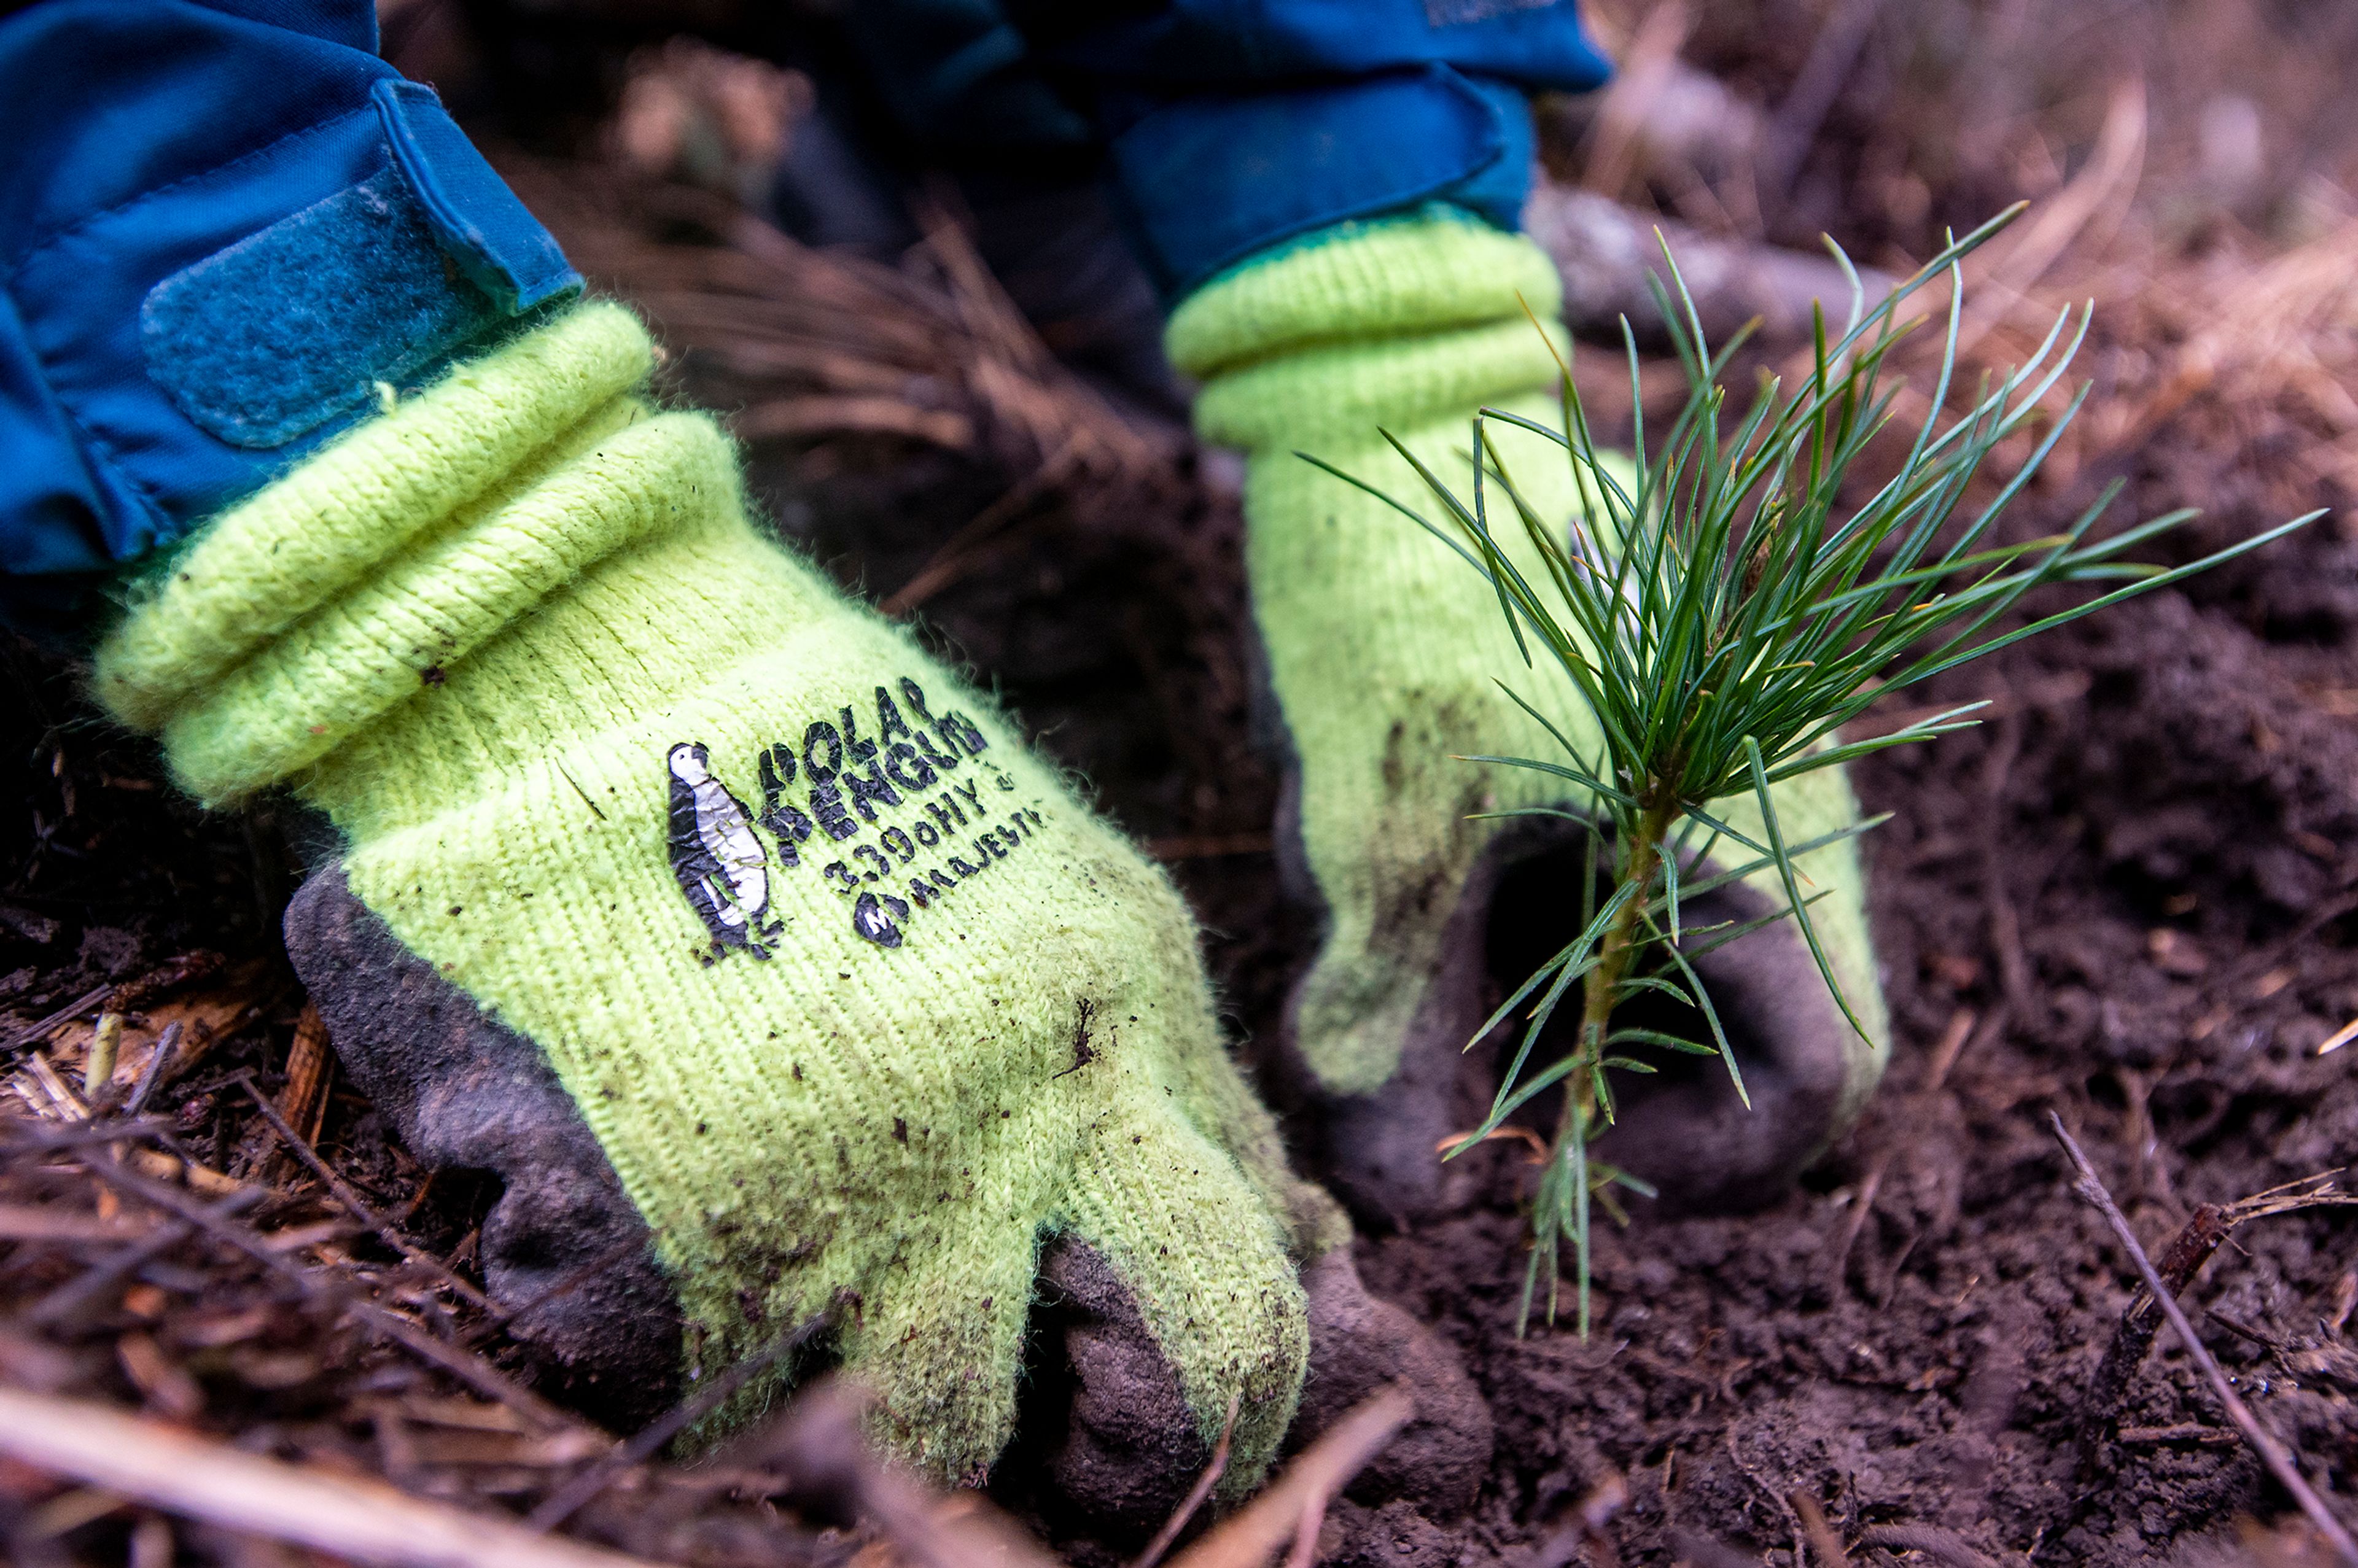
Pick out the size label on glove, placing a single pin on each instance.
(929, 807)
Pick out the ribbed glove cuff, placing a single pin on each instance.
(305, 614)
(1424, 272)
(1368, 327)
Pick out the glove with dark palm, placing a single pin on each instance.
(761, 959)
(1385, 650)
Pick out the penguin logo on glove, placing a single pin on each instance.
(715, 854)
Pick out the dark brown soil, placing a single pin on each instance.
(2131, 898)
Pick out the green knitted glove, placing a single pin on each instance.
(755, 951)
(1383, 649)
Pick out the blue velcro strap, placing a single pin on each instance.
(265, 341)
(270, 339)
(1211, 180)
(222, 223)
(498, 244)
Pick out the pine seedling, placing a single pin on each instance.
(1722, 621)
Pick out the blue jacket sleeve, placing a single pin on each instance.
(1235, 124)
(226, 230)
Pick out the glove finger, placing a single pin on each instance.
(1359, 1343)
(1206, 1090)
(943, 1365)
(1384, 649)
(1381, 1148)
(1687, 1130)
(1382, 810)
(468, 1093)
(1132, 1447)
(1206, 1263)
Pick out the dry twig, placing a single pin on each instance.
(353, 1203)
(1296, 1505)
(564, 1504)
(34, 1034)
(167, 1044)
(310, 1070)
(68, 1300)
(821, 1447)
(1823, 1543)
(470, 1369)
(357, 1521)
(1945, 1056)
(1940, 1545)
(1213, 1470)
(2181, 1260)
(2272, 1451)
